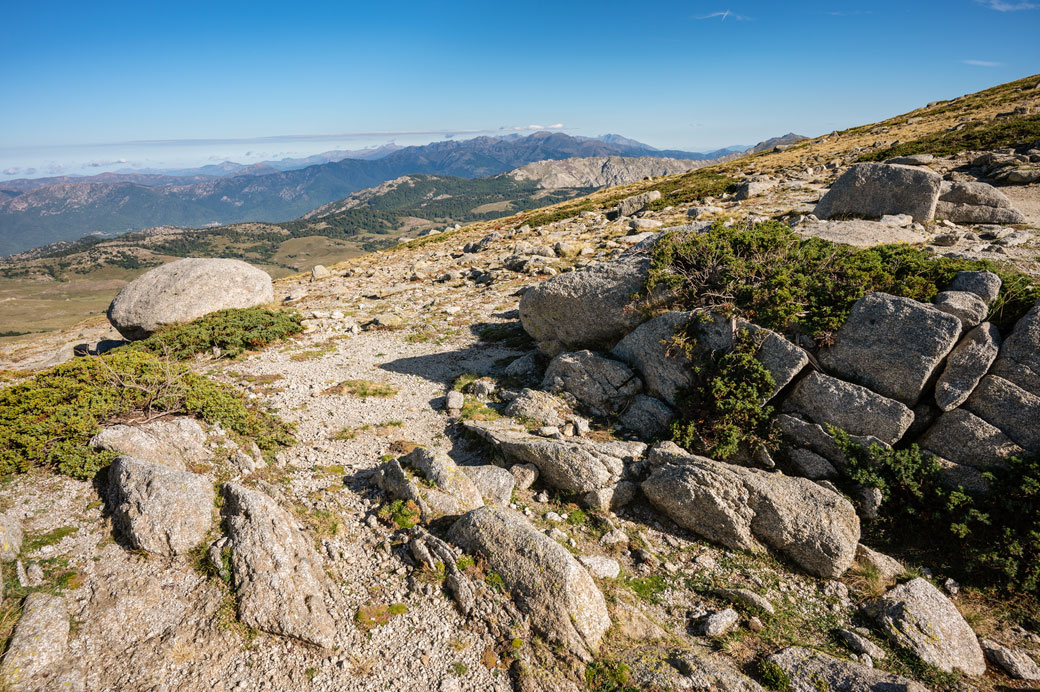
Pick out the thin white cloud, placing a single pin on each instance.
(723, 15)
(534, 128)
(982, 63)
(105, 164)
(1001, 6)
(281, 139)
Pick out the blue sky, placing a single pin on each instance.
(693, 75)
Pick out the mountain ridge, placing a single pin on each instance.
(74, 208)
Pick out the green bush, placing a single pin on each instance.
(47, 421)
(772, 277)
(724, 412)
(233, 331)
(995, 537)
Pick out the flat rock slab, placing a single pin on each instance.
(544, 579)
(917, 616)
(877, 189)
(174, 442)
(856, 410)
(494, 483)
(159, 509)
(39, 642)
(279, 580)
(813, 671)
(1019, 359)
(892, 345)
(603, 385)
(861, 233)
(185, 290)
(574, 466)
(964, 438)
(1010, 408)
(747, 509)
(966, 365)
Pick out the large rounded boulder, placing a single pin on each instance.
(185, 290)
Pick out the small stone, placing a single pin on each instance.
(34, 575)
(860, 644)
(524, 474)
(454, 401)
(1018, 664)
(719, 623)
(747, 598)
(600, 566)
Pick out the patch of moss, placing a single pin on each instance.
(47, 421)
(34, 542)
(404, 514)
(648, 588)
(369, 617)
(607, 676)
(773, 677)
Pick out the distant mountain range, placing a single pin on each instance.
(41, 211)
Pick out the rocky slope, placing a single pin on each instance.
(596, 172)
(507, 351)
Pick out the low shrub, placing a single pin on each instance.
(725, 412)
(995, 537)
(771, 276)
(233, 331)
(47, 421)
